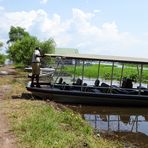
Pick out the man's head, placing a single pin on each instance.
(38, 48)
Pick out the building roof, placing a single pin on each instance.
(66, 51)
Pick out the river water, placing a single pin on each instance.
(128, 124)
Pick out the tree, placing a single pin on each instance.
(16, 33)
(21, 51)
(23, 44)
(1, 44)
(2, 56)
(47, 46)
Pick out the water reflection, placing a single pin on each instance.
(118, 123)
(130, 123)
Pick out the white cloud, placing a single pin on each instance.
(76, 32)
(23, 19)
(1, 8)
(43, 1)
(97, 11)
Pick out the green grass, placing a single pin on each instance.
(105, 72)
(40, 124)
(43, 126)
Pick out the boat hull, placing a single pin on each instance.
(90, 98)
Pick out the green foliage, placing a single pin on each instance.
(44, 127)
(23, 44)
(16, 33)
(21, 51)
(47, 46)
(2, 59)
(47, 125)
(1, 44)
(2, 56)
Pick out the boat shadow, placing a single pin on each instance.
(27, 96)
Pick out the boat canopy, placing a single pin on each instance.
(102, 58)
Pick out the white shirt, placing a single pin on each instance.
(36, 59)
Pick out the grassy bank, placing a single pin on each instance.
(39, 125)
(43, 124)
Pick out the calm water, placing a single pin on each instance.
(128, 124)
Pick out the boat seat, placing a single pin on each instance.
(78, 82)
(104, 85)
(104, 88)
(95, 90)
(133, 92)
(84, 87)
(65, 86)
(97, 82)
(142, 87)
(127, 83)
(60, 80)
(145, 92)
(118, 90)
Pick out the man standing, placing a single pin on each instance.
(36, 66)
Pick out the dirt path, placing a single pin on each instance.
(7, 138)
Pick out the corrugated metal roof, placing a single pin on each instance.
(102, 58)
(66, 50)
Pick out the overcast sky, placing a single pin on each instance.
(106, 27)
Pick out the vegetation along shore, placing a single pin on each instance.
(39, 123)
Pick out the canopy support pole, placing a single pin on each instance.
(98, 70)
(122, 70)
(74, 79)
(112, 77)
(140, 78)
(82, 75)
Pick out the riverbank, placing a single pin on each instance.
(38, 123)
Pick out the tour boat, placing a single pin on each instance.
(79, 91)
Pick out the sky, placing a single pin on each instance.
(101, 27)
